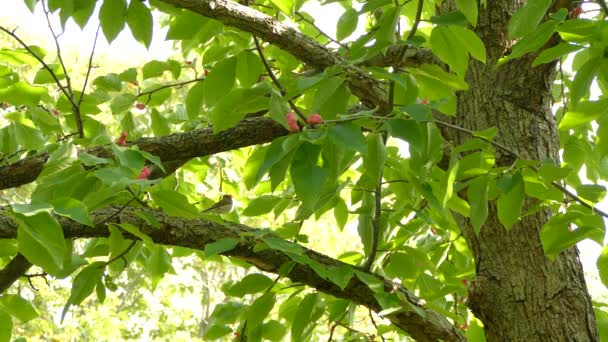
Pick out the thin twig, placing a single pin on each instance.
(561, 75)
(123, 207)
(121, 255)
(86, 78)
(70, 90)
(142, 203)
(321, 31)
(275, 80)
(62, 88)
(178, 84)
(333, 327)
(604, 6)
(578, 199)
(516, 155)
(39, 59)
(58, 49)
(371, 317)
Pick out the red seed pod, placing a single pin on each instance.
(140, 106)
(315, 119)
(122, 140)
(292, 122)
(145, 173)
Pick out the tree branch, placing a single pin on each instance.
(306, 49)
(427, 325)
(413, 57)
(175, 149)
(13, 271)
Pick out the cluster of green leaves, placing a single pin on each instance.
(334, 167)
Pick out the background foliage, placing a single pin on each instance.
(372, 185)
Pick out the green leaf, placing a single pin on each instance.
(73, 209)
(349, 136)
(375, 158)
(307, 314)
(18, 307)
(469, 9)
(591, 192)
(160, 124)
(22, 94)
(41, 241)
(282, 245)
(407, 266)
(388, 26)
(194, 100)
(341, 275)
(249, 68)
(233, 107)
(83, 9)
(112, 17)
(533, 41)
(527, 18)
(452, 19)
(252, 283)
(174, 203)
(555, 52)
(186, 25)
(478, 199)
(510, 201)
(258, 311)
(122, 103)
(26, 136)
(442, 77)
(6, 327)
(582, 81)
(139, 20)
(347, 23)
(31, 4)
(220, 81)
(557, 235)
(583, 113)
(286, 6)
(551, 172)
(341, 213)
(448, 184)
(261, 205)
(43, 76)
(602, 265)
(8, 247)
(220, 246)
(109, 82)
(21, 56)
(601, 318)
(446, 46)
(83, 285)
(133, 230)
(158, 263)
(308, 178)
(157, 69)
(273, 330)
(216, 331)
(408, 131)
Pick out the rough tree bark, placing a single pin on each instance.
(518, 293)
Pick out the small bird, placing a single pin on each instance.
(222, 207)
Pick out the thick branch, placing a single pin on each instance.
(413, 58)
(175, 149)
(13, 271)
(306, 49)
(198, 233)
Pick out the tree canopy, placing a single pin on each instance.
(426, 171)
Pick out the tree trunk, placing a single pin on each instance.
(518, 293)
